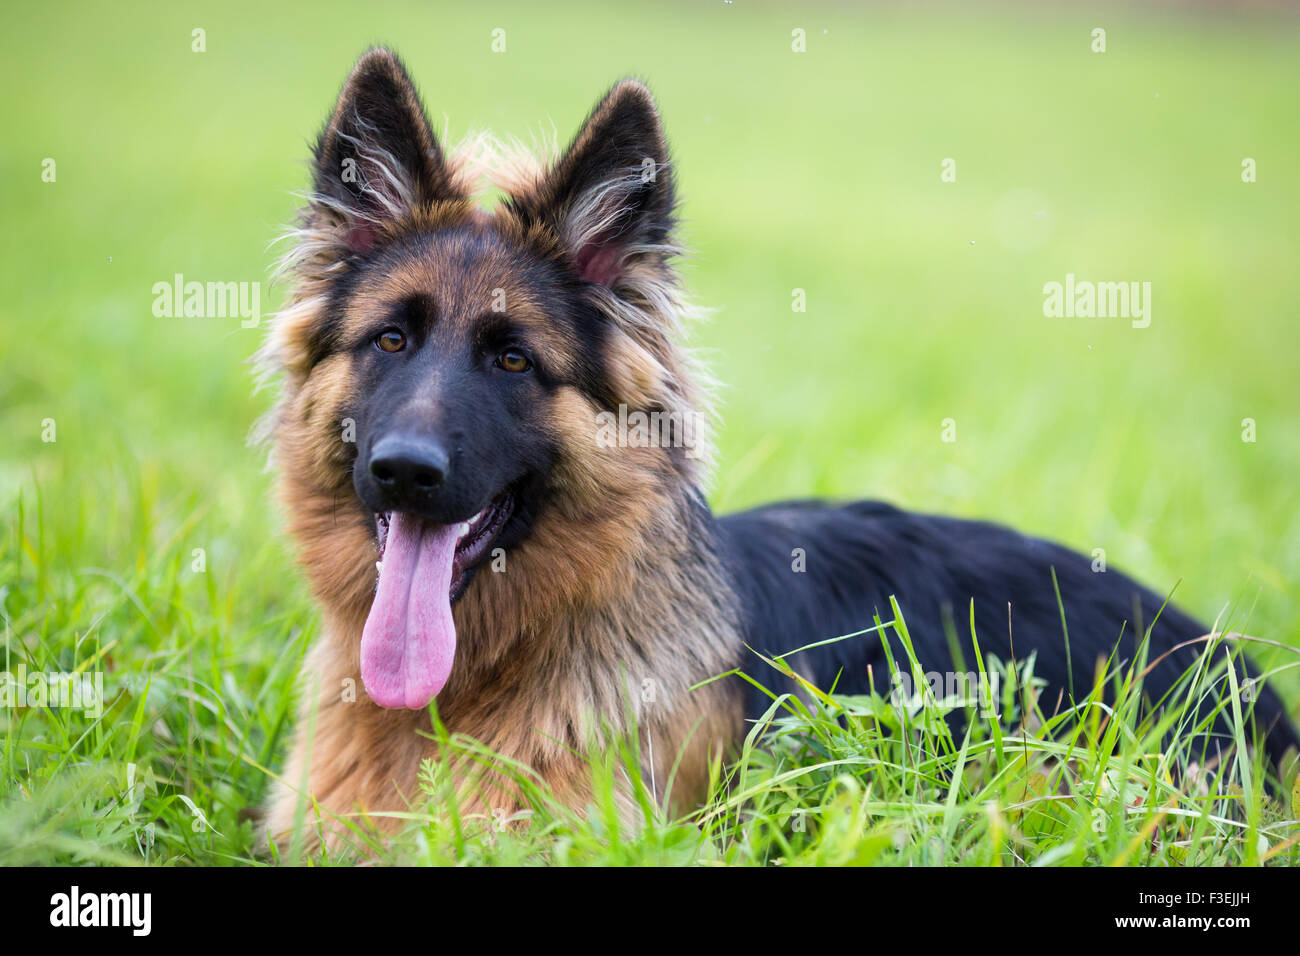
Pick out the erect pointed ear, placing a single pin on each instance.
(610, 196)
(377, 158)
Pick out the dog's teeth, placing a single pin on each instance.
(379, 566)
(474, 520)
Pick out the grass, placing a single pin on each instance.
(143, 542)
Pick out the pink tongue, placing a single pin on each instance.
(410, 639)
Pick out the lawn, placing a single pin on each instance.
(912, 179)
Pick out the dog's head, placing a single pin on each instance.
(450, 373)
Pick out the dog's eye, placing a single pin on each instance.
(390, 340)
(512, 360)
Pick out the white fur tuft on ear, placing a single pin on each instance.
(598, 224)
(381, 191)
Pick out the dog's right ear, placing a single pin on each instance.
(377, 159)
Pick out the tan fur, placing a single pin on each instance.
(602, 597)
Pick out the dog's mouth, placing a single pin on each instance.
(409, 641)
(471, 545)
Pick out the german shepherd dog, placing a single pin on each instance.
(446, 373)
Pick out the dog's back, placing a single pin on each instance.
(807, 572)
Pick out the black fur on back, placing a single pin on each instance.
(859, 554)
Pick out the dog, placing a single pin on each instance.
(493, 448)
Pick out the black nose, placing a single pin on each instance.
(406, 467)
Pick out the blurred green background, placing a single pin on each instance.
(817, 170)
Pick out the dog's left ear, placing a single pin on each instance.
(610, 196)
